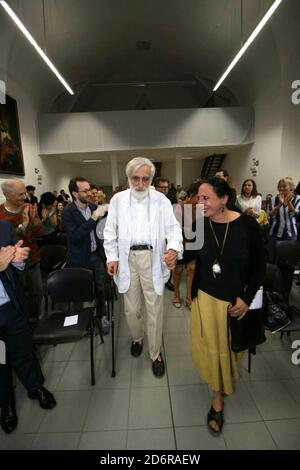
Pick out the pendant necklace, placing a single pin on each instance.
(216, 268)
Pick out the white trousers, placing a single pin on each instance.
(141, 293)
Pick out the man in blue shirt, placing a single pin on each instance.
(15, 334)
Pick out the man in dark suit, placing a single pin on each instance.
(15, 334)
(85, 249)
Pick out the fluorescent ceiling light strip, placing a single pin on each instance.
(251, 38)
(92, 161)
(35, 45)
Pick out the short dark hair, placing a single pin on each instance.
(47, 199)
(30, 188)
(225, 172)
(73, 184)
(254, 190)
(220, 187)
(159, 180)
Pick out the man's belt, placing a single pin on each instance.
(141, 247)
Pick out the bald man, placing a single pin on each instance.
(27, 225)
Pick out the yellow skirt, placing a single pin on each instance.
(210, 342)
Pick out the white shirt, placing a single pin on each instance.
(140, 221)
(253, 203)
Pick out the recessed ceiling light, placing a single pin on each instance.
(91, 161)
(32, 41)
(251, 38)
(187, 158)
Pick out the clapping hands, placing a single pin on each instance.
(21, 253)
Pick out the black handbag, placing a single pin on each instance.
(247, 332)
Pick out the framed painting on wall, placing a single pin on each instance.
(11, 156)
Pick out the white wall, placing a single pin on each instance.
(55, 173)
(263, 78)
(157, 128)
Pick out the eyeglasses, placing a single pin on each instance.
(84, 191)
(136, 179)
(163, 187)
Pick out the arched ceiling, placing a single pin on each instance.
(93, 43)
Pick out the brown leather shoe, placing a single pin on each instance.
(158, 367)
(9, 418)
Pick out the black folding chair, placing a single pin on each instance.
(287, 257)
(53, 257)
(68, 286)
(273, 282)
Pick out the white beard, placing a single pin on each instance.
(140, 195)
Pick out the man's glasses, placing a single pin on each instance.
(84, 191)
(163, 187)
(136, 179)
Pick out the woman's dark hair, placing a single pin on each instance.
(221, 188)
(193, 188)
(254, 189)
(47, 199)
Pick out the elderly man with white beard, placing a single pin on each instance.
(142, 240)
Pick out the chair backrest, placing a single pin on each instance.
(52, 257)
(288, 251)
(71, 285)
(273, 281)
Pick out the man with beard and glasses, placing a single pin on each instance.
(142, 240)
(85, 249)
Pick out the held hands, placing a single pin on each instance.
(21, 253)
(112, 267)
(249, 211)
(170, 258)
(239, 309)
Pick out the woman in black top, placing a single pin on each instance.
(230, 268)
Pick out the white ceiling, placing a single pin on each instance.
(94, 41)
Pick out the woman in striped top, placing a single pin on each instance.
(283, 210)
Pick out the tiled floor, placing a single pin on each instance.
(135, 410)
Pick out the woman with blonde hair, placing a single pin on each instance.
(283, 210)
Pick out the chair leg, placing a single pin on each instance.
(92, 355)
(249, 361)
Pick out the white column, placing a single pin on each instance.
(114, 171)
(178, 170)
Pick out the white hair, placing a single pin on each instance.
(137, 163)
(9, 186)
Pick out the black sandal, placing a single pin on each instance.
(216, 416)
